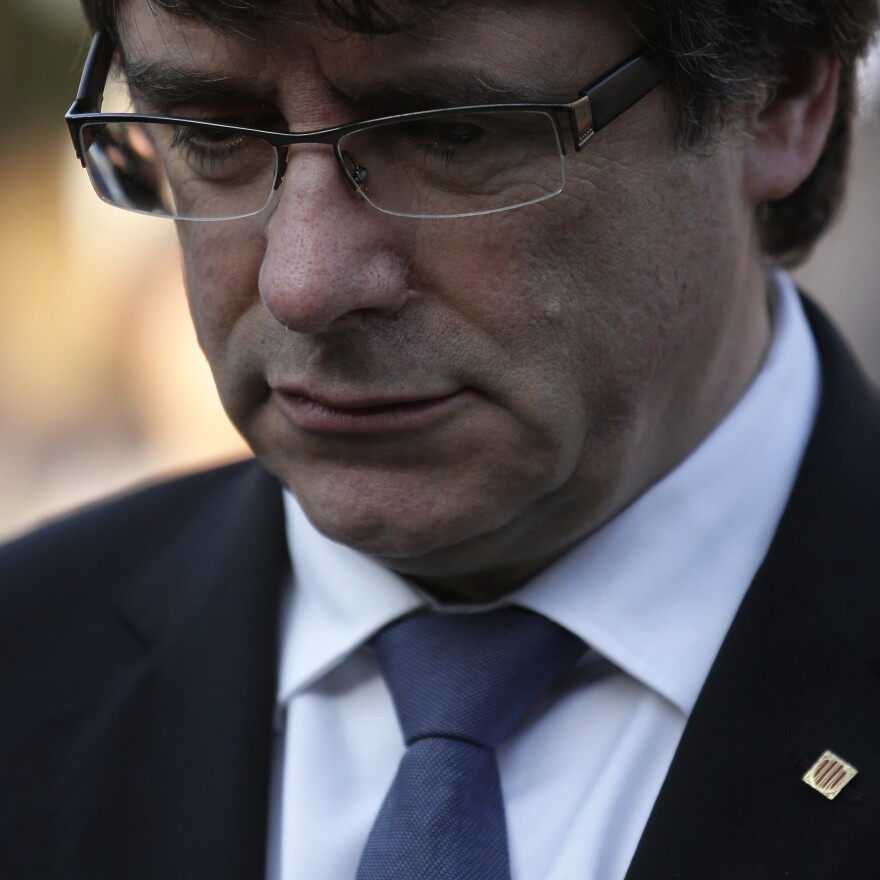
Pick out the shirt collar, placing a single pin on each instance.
(654, 590)
(340, 598)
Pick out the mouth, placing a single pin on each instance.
(367, 415)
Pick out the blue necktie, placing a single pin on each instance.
(460, 684)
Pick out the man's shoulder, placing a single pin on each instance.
(90, 602)
(67, 569)
(81, 594)
(142, 517)
(825, 552)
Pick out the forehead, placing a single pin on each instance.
(543, 47)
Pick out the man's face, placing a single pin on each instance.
(464, 399)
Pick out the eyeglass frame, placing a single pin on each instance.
(597, 104)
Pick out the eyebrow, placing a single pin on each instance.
(425, 93)
(159, 83)
(163, 85)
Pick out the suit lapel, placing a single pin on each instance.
(165, 773)
(733, 805)
(797, 674)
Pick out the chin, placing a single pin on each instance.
(397, 535)
(410, 532)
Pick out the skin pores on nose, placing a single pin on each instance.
(312, 276)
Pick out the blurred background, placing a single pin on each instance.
(101, 382)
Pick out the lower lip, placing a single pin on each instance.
(310, 415)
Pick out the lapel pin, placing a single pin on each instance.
(829, 774)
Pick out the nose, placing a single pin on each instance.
(330, 258)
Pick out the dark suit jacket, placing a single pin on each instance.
(138, 664)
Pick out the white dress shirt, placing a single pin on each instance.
(653, 593)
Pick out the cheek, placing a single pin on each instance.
(503, 274)
(549, 310)
(221, 265)
(522, 312)
(579, 313)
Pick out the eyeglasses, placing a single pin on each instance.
(455, 162)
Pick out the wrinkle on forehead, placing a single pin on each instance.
(266, 27)
(318, 76)
(151, 37)
(249, 17)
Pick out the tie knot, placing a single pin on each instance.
(471, 676)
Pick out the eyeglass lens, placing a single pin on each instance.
(443, 166)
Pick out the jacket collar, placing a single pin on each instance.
(166, 775)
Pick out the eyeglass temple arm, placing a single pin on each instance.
(90, 94)
(603, 101)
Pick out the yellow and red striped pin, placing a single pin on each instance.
(829, 774)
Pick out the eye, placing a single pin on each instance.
(442, 138)
(215, 141)
(215, 153)
(440, 133)
(457, 132)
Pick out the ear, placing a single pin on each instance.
(789, 132)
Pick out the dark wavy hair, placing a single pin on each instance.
(725, 55)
